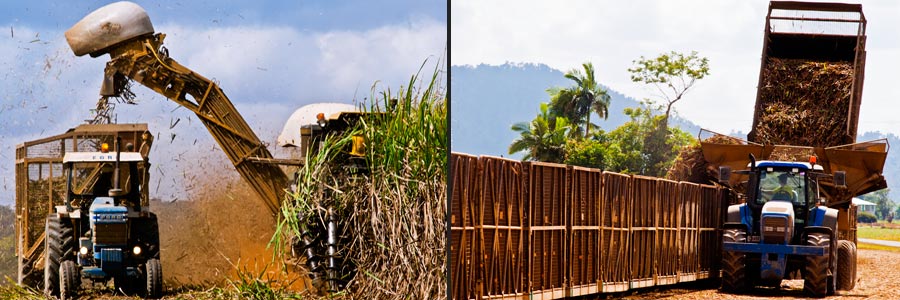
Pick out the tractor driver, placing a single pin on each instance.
(785, 191)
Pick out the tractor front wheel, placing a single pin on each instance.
(846, 275)
(154, 279)
(68, 280)
(734, 265)
(815, 277)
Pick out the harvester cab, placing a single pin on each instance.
(309, 126)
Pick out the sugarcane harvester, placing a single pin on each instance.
(124, 31)
(796, 218)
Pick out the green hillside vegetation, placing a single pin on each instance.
(645, 144)
(7, 243)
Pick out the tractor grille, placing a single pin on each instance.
(111, 234)
(775, 230)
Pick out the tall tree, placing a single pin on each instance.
(579, 101)
(542, 139)
(672, 74)
(632, 148)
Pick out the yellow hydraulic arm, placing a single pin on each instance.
(141, 60)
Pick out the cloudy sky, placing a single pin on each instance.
(563, 34)
(269, 57)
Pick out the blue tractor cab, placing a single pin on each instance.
(781, 231)
(105, 231)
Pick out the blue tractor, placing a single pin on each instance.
(103, 231)
(784, 230)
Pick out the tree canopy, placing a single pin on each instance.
(671, 74)
(579, 101)
(542, 139)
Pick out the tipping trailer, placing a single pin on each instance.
(83, 211)
(797, 219)
(800, 37)
(124, 31)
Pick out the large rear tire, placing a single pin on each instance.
(815, 277)
(69, 280)
(154, 279)
(59, 245)
(734, 265)
(846, 272)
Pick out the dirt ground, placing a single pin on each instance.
(878, 277)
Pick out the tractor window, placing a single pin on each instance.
(782, 185)
(96, 178)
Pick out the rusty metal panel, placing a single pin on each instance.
(584, 231)
(464, 282)
(688, 231)
(548, 262)
(667, 232)
(547, 191)
(464, 172)
(615, 220)
(645, 200)
(501, 215)
(710, 214)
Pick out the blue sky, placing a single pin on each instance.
(307, 15)
(269, 57)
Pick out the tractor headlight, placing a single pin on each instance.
(83, 250)
(136, 250)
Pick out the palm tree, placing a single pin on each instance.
(577, 102)
(543, 139)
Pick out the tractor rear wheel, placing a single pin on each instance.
(734, 265)
(846, 275)
(59, 246)
(68, 280)
(815, 277)
(154, 279)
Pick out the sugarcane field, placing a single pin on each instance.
(296, 170)
(651, 149)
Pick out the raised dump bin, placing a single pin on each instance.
(811, 75)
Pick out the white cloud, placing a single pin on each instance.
(565, 34)
(267, 71)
